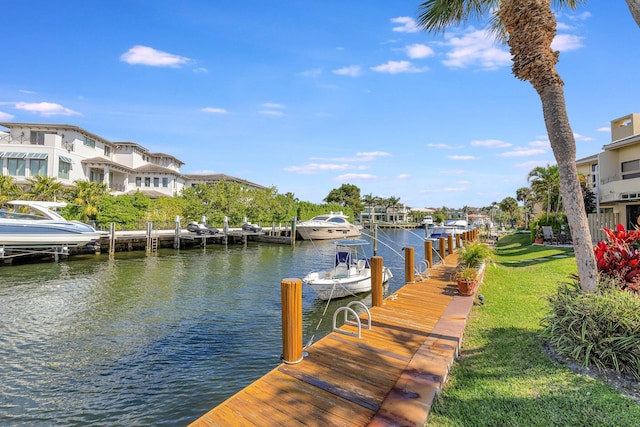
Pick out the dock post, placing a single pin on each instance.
(376, 280)
(409, 265)
(148, 248)
(293, 231)
(458, 240)
(450, 244)
(428, 253)
(112, 239)
(441, 248)
(375, 239)
(291, 298)
(178, 230)
(225, 229)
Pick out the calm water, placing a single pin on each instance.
(154, 340)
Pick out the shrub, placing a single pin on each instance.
(474, 254)
(600, 329)
(619, 257)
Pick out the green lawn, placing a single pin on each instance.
(503, 376)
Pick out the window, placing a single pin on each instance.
(107, 151)
(630, 169)
(38, 167)
(89, 142)
(36, 137)
(165, 182)
(147, 182)
(138, 181)
(96, 175)
(16, 167)
(63, 169)
(156, 182)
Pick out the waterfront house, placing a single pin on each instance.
(614, 173)
(70, 153)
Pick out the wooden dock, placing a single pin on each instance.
(389, 376)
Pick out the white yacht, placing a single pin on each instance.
(331, 226)
(32, 224)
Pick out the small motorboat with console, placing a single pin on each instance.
(331, 226)
(32, 224)
(350, 274)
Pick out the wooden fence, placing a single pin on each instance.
(599, 221)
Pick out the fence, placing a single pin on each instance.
(599, 221)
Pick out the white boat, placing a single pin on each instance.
(41, 226)
(451, 227)
(350, 274)
(331, 226)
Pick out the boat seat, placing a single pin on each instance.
(341, 270)
(362, 264)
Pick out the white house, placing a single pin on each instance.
(70, 153)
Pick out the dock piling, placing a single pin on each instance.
(376, 280)
(409, 265)
(291, 298)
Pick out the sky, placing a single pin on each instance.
(307, 95)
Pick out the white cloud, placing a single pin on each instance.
(528, 166)
(5, 116)
(475, 48)
(395, 67)
(458, 157)
(356, 177)
(452, 172)
(445, 190)
(200, 70)
(312, 168)
(416, 51)
(273, 105)
(214, 110)
(144, 55)
(521, 152)
(579, 137)
(604, 129)
(407, 24)
(30, 92)
(271, 113)
(371, 155)
(490, 143)
(444, 146)
(351, 71)
(540, 143)
(404, 176)
(566, 42)
(46, 109)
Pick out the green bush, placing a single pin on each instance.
(600, 329)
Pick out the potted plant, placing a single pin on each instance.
(468, 279)
(539, 235)
(472, 259)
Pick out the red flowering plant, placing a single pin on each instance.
(619, 257)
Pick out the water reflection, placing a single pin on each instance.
(153, 340)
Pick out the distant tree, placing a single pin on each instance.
(524, 195)
(509, 205)
(347, 195)
(391, 202)
(588, 196)
(121, 210)
(545, 185)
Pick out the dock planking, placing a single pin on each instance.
(389, 376)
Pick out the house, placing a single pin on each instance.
(614, 173)
(395, 214)
(70, 153)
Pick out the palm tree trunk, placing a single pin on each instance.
(634, 8)
(563, 145)
(531, 26)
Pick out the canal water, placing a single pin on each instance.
(155, 340)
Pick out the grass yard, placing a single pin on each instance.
(503, 376)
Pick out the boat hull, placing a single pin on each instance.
(45, 233)
(311, 232)
(328, 286)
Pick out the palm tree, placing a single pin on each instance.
(87, 195)
(392, 202)
(44, 188)
(545, 185)
(529, 27)
(370, 201)
(634, 8)
(524, 195)
(9, 190)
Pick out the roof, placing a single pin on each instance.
(151, 168)
(152, 194)
(105, 162)
(221, 177)
(56, 126)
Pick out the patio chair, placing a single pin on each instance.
(548, 235)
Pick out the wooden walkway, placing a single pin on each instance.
(388, 377)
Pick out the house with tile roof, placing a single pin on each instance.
(70, 153)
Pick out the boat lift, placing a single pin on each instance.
(9, 252)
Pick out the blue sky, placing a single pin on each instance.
(308, 95)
